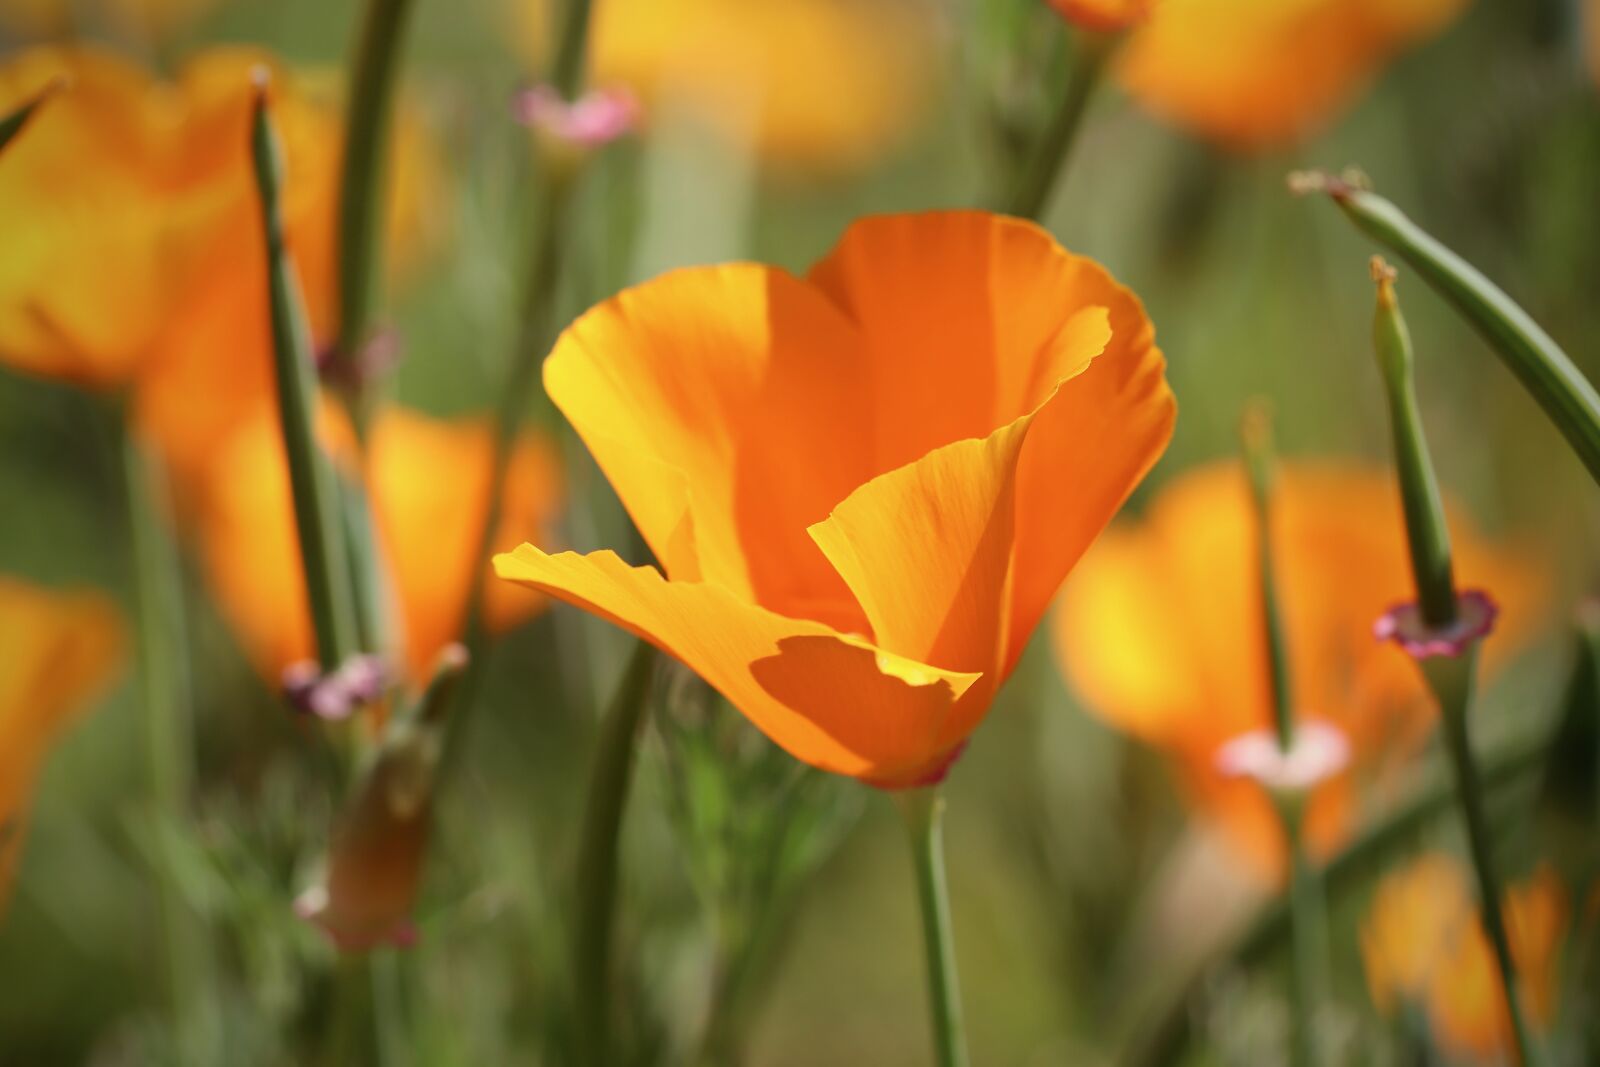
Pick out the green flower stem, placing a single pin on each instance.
(1428, 535)
(1255, 434)
(1031, 196)
(1452, 681)
(1547, 372)
(1159, 1030)
(361, 190)
(1305, 938)
(923, 809)
(1450, 677)
(12, 123)
(609, 783)
(323, 551)
(168, 734)
(572, 54)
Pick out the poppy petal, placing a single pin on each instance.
(970, 319)
(832, 700)
(724, 376)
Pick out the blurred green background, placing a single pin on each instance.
(1070, 910)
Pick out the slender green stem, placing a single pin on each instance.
(1031, 196)
(1306, 940)
(609, 783)
(1427, 534)
(1255, 434)
(167, 729)
(361, 189)
(1159, 1029)
(323, 552)
(1548, 373)
(572, 53)
(923, 809)
(1452, 681)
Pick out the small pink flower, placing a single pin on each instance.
(1320, 751)
(596, 118)
(358, 682)
(1403, 624)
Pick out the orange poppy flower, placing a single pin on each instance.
(220, 344)
(1422, 942)
(1160, 631)
(854, 480)
(818, 84)
(55, 18)
(1104, 16)
(429, 488)
(1257, 73)
(60, 651)
(112, 216)
(138, 258)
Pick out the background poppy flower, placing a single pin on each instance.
(819, 84)
(853, 481)
(113, 214)
(219, 343)
(429, 486)
(1257, 73)
(1159, 631)
(139, 255)
(60, 650)
(1422, 943)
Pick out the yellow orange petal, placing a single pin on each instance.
(834, 701)
(429, 490)
(220, 345)
(60, 650)
(1258, 73)
(971, 320)
(110, 225)
(712, 400)
(430, 486)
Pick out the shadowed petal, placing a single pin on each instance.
(832, 700)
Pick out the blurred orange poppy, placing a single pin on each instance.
(138, 260)
(1257, 73)
(112, 211)
(1160, 632)
(1422, 943)
(864, 485)
(219, 346)
(818, 84)
(1104, 16)
(429, 485)
(60, 651)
